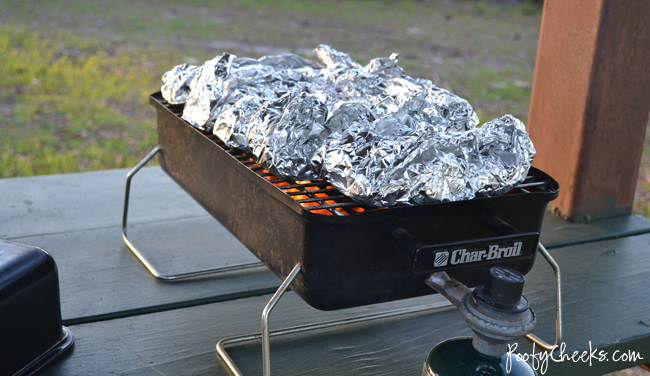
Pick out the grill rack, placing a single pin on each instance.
(320, 196)
(316, 196)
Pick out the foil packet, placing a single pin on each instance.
(176, 83)
(378, 135)
(377, 166)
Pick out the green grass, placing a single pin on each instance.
(642, 197)
(495, 91)
(74, 104)
(77, 73)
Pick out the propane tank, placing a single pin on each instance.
(457, 357)
(497, 313)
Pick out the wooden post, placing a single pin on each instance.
(590, 103)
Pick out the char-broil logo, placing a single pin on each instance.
(441, 259)
(463, 256)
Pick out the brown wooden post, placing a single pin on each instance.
(590, 103)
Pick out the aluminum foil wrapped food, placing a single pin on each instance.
(378, 135)
(176, 83)
(378, 166)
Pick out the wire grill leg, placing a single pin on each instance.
(266, 345)
(223, 354)
(143, 260)
(558, 303)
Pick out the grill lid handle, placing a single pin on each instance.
(498, 225)
(408, 242)
(510, 245)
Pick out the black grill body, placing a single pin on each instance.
(352, 260)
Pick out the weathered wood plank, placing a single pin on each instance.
(76, 217)
(606, 301)
(605, 296)
(101, 279)
(559, 233)
(182, 342)
(71, 202)
(96, 263)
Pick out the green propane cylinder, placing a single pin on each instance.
(457, 357)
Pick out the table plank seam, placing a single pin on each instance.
(168, 307)
(624, 234)
(131, 225)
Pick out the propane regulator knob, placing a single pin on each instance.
(503, 290)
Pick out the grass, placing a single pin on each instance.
(77, 74)
(73, 104)
(642, 197)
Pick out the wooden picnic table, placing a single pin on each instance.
(126, 322)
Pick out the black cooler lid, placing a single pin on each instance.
(30, 310)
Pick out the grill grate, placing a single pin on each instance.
(320, 196)
(317, 196)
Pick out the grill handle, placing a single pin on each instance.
(508, 245)
(410, 244)
(498, 225)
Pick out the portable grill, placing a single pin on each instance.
(335, 252)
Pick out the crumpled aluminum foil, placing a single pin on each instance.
(176, 83)
(381, 167)
(378, 135)
(206, 89)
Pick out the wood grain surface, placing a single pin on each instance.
(605, 302)
(50, 204)
(76, 217)
(101, 279)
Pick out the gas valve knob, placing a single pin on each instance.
(502, 290)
